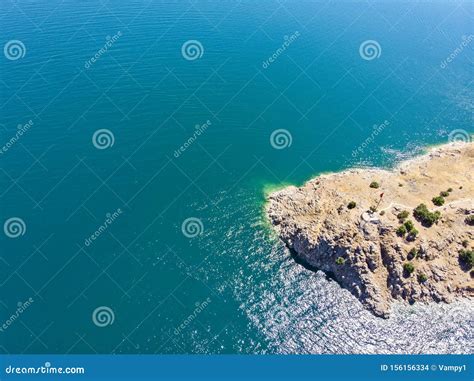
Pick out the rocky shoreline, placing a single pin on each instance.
(405, 234)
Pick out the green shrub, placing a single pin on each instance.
(401, 231)
(450, 190)
(467, 256)
(403, 215)
(444, 194)
(412, 234)
(408, 267)
(351, 205)
(470, 220)
(426, 217)
(438, 200)
(412, 254)
(422, 278)
(340, 261)
(409, 225)
(374, 184)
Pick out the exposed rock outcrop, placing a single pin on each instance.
(361, 248)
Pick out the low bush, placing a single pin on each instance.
(444, 194)
(422, 278)
(351, 205)
(467, 257)
(403, 215)
(438, 200)
(470, 220)
(374, 184)
(409, 268)
(409, 225)
(401, 231)
(423, 215)
(340, 261)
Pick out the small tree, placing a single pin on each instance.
(401, 231)
(403, 215)
(351, 205)
(438, 200)
(467, 257)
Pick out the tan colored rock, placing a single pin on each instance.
(315, 222)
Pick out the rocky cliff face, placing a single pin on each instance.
(329, 225)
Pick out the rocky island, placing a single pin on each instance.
(406, 234)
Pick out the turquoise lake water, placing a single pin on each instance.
(224, 283)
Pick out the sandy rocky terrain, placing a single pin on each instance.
(362, 250)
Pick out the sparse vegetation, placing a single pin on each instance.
(412, 254)
(403, 215)
(375, 185)
(409, 268)
(444, 194)
(465, 243)
(409, 225)
(470, 220)
(351, 205)
(438, 200)
(426, 217)
(412, 234)
(422, 278)
(401, 231)
(340, 261)
(373, 209)
(450, 190)
(467, 257)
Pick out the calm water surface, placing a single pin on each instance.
(233, 288)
